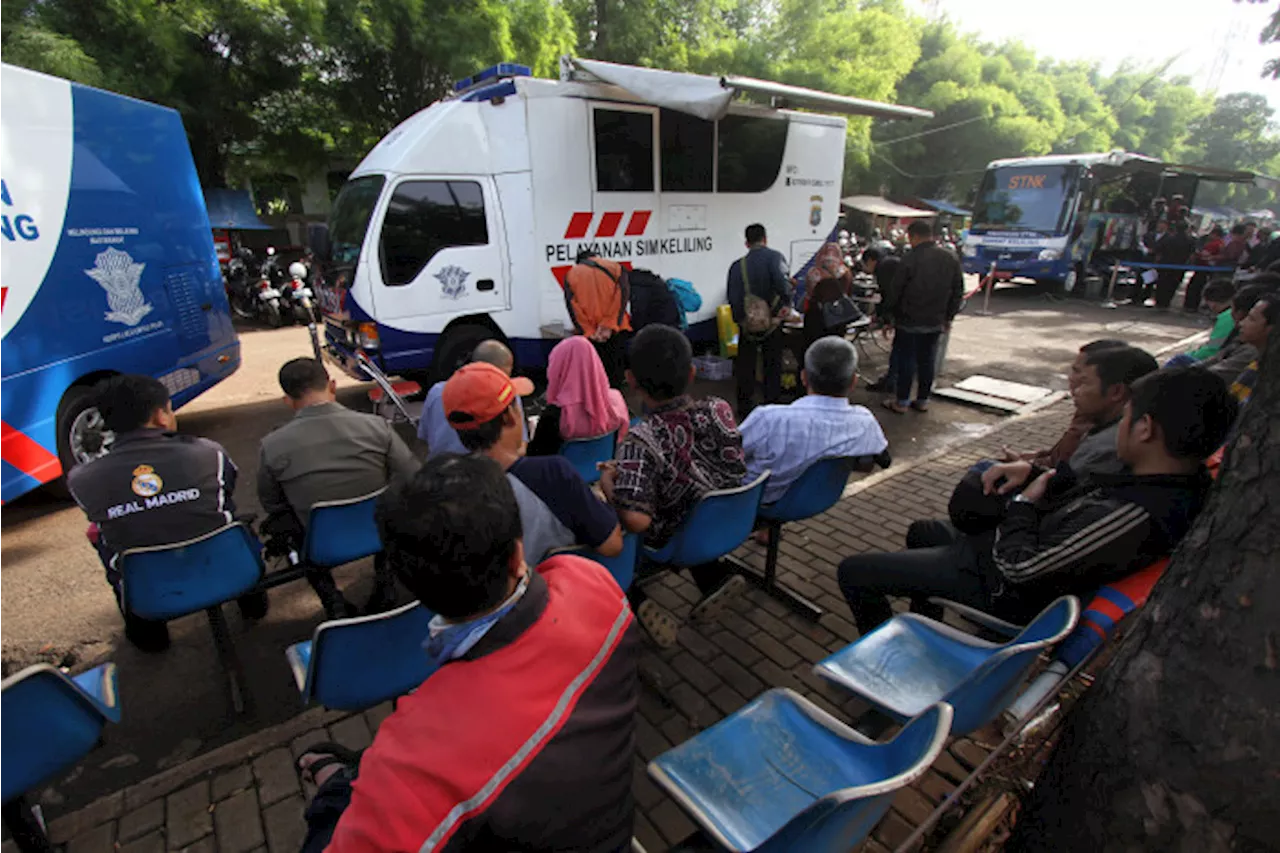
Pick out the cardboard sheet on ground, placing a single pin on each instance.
(996, 393)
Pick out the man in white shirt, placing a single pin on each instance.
(788, 439)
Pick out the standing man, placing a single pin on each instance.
(597, 293)
(126, 494)
(325, 453)
(759, 286)
(1175, 247)
(920, 305)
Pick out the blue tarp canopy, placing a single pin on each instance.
(946, 207)
(233, 210)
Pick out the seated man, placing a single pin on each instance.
(434, 428)
(788, 439)
(1080, 424)
(1236, 354)
(680, 450)
(1217, 297)
(126, 494)
(557, 509)
(1100, 397)
(325, 453)
(524, 737)
(1065, 534)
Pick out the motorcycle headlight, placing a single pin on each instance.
(1050, 254)
(969, 251)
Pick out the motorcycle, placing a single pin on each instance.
(298, 292)
(270, 278)
(240, 293)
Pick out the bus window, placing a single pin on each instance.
(424, 217)
(688, 152)
(1023, 199)
(624, 151)
(350, 217)
(751, 150)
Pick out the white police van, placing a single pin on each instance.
(461, 223)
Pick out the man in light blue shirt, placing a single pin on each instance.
(788, 439)
(434, 428)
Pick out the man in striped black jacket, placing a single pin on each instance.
(1060, 534)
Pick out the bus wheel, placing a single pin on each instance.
(82, 434)
(455, 348)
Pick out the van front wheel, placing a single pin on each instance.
(455, 348)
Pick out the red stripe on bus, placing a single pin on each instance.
(560, 273)
(25, 454)
(638, 222)
(609, 223)
(578, 225)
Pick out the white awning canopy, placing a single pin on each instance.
(708, 97)
(877, 206)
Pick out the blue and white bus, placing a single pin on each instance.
(1042, 218)
(107, 266)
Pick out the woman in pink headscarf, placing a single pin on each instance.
(580, 403)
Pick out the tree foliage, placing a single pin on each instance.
(267, 86)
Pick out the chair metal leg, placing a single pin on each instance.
(232, 669)
(25, 827)
(768, 582)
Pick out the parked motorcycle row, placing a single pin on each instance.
(269, 293)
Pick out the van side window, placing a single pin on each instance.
(688, 152)
(424, 217)
(751, 150)
(624, 151)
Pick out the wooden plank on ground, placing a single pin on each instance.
(1003, 389)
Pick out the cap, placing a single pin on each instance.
(478, 393)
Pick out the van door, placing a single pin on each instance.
(624, 154)
(440, 250)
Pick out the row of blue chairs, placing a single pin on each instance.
(781, 774)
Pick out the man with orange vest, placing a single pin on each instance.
(597, 293)
(523, 737)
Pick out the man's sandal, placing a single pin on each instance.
(658, 623)
(895, 407)
(327, 754)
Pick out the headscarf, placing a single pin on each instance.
(827, 264)
(577, 384)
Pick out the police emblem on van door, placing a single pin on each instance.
(453, 282)
(815, 212)
(146, 482)
(119, 276)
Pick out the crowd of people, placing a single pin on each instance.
(475, 532)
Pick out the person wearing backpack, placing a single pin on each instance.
(760, 289)
(597, 293)
(652, 301)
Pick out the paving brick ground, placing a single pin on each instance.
(244, 797)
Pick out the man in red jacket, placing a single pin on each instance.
(524, 737)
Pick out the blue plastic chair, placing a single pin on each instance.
(168, 581)
(910, 662)
(341, 532)
(622, 567)
(50, 721)
(814, 492)
(353, 664)
(716, 525)
(781, 774)
(584, 453)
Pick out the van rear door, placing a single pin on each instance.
(439, 250)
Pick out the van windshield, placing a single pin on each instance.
(349, 219)
(1024, 199)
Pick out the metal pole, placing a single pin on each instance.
(1111, 289)
(315, 341)
(986, 296)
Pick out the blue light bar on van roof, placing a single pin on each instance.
(505, 69)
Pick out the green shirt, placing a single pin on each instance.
(1221, 328)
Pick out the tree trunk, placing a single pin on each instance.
(1177, 745)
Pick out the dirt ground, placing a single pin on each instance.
(55, 605)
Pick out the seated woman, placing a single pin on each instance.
(827, 280)
(580, 403)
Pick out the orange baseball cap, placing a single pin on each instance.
(478, 393)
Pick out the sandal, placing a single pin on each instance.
(328, 753)
(920, 405)
(658, 623)
(709, 609)
(895, 407)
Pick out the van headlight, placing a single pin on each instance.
(1050, 254)
(969, 251)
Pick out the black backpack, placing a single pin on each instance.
(651, 300)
